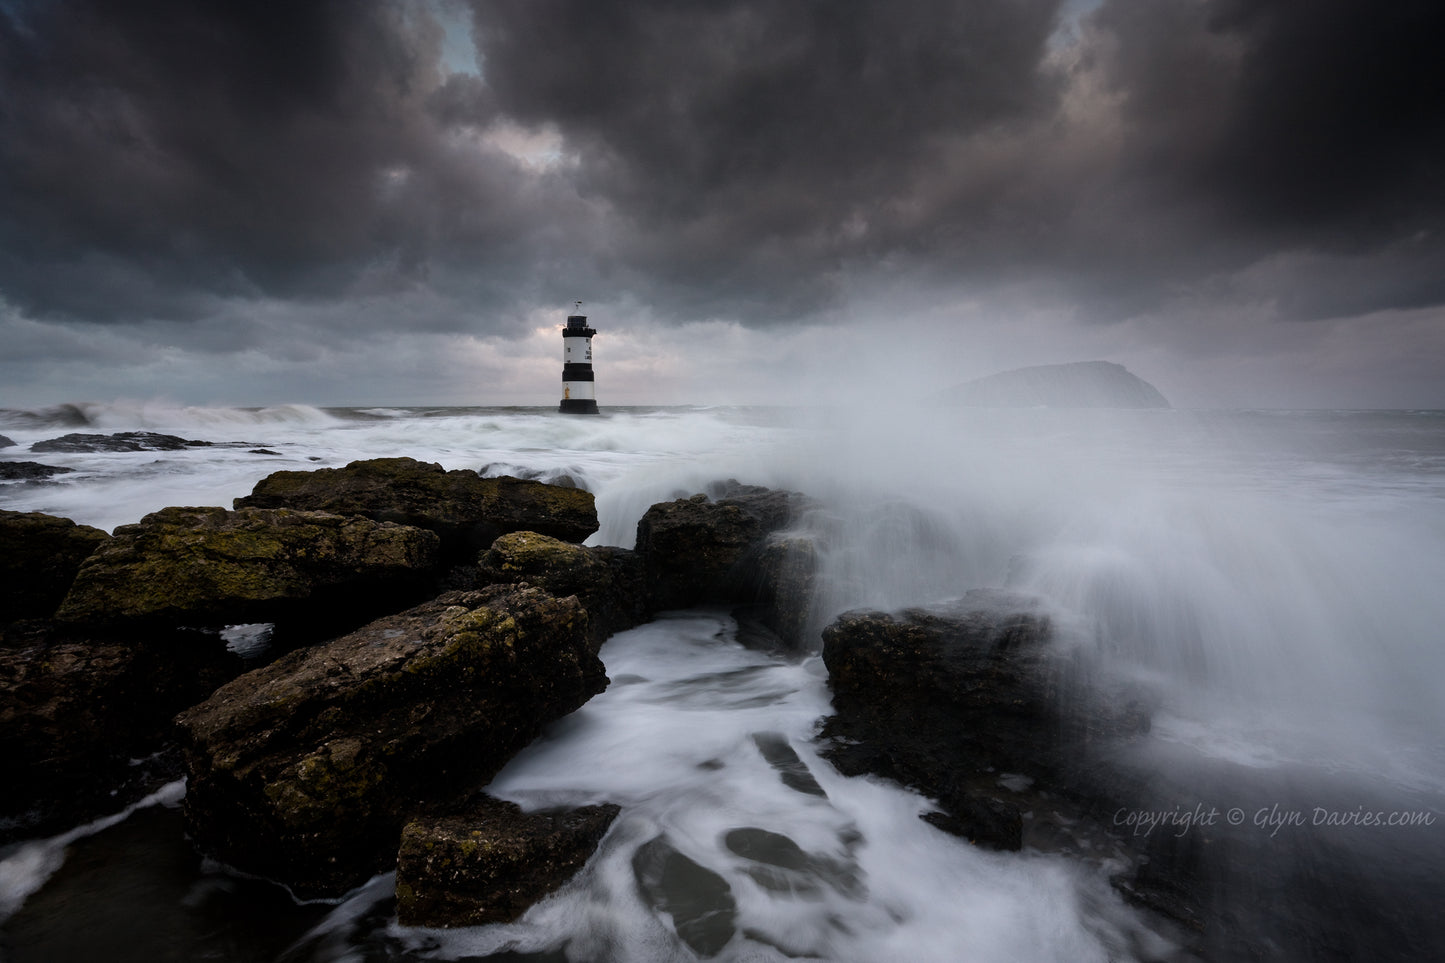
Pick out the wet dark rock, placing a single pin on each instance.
(791, 769)
(208, 566)
(305, 771)
(607, 580)
(691, 549)
(784, 586)
(491, 862)
(39, 556)
(695, 551)
(700, 902)
(6, 442)
(777, 863)
(24, 470)
(85, 721)
(262, 451)
(119, 441)
(979, 819)
(943, 699)
(466, 510)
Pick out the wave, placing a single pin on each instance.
(159, 416)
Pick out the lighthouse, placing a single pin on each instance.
(578, 396)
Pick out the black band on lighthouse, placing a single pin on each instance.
(577, 372)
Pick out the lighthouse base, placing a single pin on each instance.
(578, 406)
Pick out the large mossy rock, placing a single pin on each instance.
(305, 770)
(607, 580)
(699, 551)
(465, 509)
(39, 556)
(491, 862)
(84, 720)
(944, 699)
(199, 566)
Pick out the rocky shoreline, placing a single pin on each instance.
(485, 618)
(430, 623)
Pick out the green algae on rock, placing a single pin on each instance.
(607, 580)
(491, 861)
(198, 566)
(304, 771)
(465, 509)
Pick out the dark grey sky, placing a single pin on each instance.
(384, 202)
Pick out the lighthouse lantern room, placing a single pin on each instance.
(578, 395)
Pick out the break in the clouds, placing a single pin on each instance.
(327, 200)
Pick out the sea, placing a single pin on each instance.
(1275, 580)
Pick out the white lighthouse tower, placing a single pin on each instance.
(578, 394)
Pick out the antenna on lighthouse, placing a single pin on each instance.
(578, 394)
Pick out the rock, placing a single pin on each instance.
(778, 864)
(468, 512)
(15, 470)
(305, 771)
(39, 556)
(695, 550)
(785, 585)
(208, 566)
(1083, 384)
(84, 720)
(699, 901)
(607, 580)
(691, 548)
(491, 862)
(6, 442)
(120, 441)
(943, 699)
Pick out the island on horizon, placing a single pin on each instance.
(1080, 384)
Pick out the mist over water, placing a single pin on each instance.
(1271, 578)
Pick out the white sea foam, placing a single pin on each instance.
(675, 741)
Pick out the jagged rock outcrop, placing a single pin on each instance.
(607, 580)
(695, 550)
(26, 470)
(305, 770)
(39, 557)
(208, 566)
(1082, 384)
(119, 441)
(84, 720)
(946, 698)
(466, 510)
(6, 442)
(490, 862)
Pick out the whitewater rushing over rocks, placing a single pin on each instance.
(1270, 579)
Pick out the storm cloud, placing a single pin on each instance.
(240, 176)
